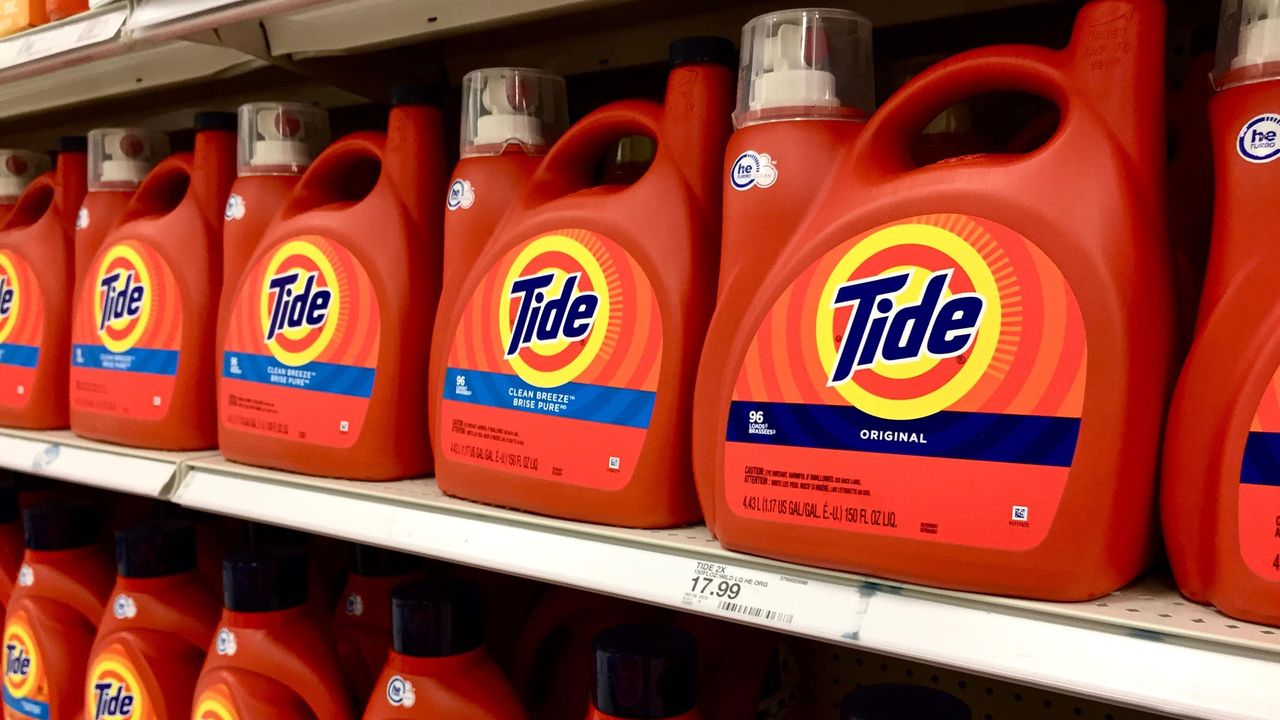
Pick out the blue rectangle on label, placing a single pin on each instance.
(316, 376)
(1261, 463)
(137, 360)
(28, 708)
(19, 355)
(993, 437)
(579, 401)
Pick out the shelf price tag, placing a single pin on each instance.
(812, 606)
(64, 37)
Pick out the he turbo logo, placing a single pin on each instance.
(1259, 139)
(294, 309)
(123, 295)
(568, 316)
(880, 330)
(112, 700)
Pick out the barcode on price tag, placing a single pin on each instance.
(756, 612)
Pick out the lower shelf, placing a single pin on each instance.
(1143, 647)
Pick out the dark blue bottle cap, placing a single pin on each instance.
(61, 525)
(160, 548)
(265, 579)
(413, 93)
(9, 512)
(893, 701)
(73, 143)
(212, 120)
(432, 618)
(645, 672)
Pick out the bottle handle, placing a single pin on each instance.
(322, 181)
(158, 189)
(34, 203)
(570, 164)
(886, 143)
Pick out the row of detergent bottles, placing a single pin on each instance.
(149, 640)
(955, 374)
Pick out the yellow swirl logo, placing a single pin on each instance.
(123, 290)
(213, 704)
(114, 690)
(10, 297)
(555, 311)
(300, 302)
(908, 321)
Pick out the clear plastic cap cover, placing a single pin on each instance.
(119, 158)
(279, 138)
(17, 169)
(805, 63)
(1248, 42)
(502, 106)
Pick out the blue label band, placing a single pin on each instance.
(25, 356)
(316, 376)
(579, 401)
(30, 708)
(137, 360)
(1261, 464)
(1024, 439)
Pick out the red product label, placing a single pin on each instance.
(554, 366)
(301, 352)
(922, 380)
(1259, 499)
(21, 327)
(127, 334)
(26, 682)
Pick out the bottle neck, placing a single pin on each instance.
(69, 558)
(154, 585)
(434, 666)
(269, 619)
(596, 714)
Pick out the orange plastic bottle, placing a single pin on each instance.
(119, 160)
(438, 667)
(325, 337)
(154, 633)
(143, 333)
(270, 658)
(510, 117)
(17, 169)
(275, 144)
(361, 625)
(35, 294)
(11, 541)
(566, 386)
(59, 9)
(53, 614)
(644, 672)
(1219, 491)
(903, 389)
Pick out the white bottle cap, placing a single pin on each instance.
(119, 158)
(17, 169)
(1248, 42)
(502, 106)
(805, 63)
(279, 138)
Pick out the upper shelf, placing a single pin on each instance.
(64, 456)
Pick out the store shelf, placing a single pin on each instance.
(1143, 647)
(64, 456)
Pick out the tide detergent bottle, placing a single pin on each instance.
(325, 339)
(510, 117)
(275, 144)
(17, 169)
(566, 384)
(809, 93)
(35, 294)
(904, 389)
(156, 629)
(1219, 494)
(119, 160)
(11, 541)
(143, 332)
(361, 624)
(644, 672)
(438, 667)
(54, 611)
(270, 657)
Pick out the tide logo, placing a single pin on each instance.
(21, 661)
(300, 302)
(554, 313)
(10, 296)
(123, 306)
(215, 704)
(114, 690)
(909, 321)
